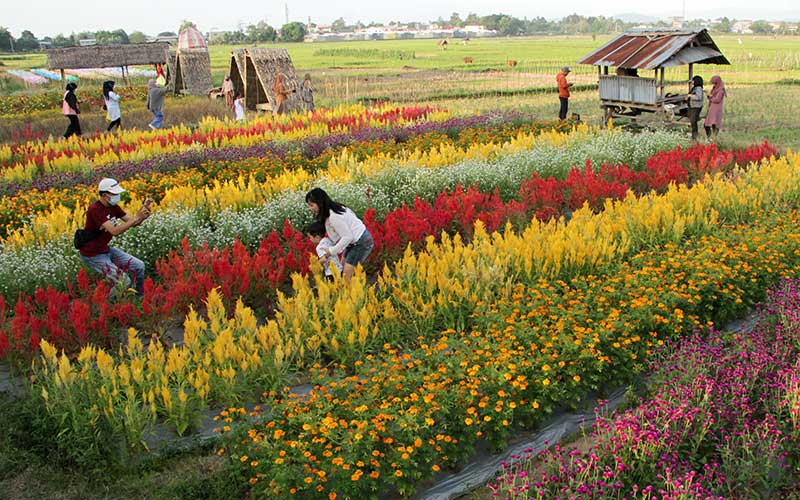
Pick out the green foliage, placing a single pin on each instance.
(293, 32)
(137, 37)
(761, 27)
(27, 42)
(5, 39)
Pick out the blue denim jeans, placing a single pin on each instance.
(115, 265)
(158, 119)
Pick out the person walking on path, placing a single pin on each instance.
(104, 220)
(281, 95)
(348, 233)
(70, 109)
(155, 103)
(227, 91)
(307, 93)
(563, 92)
(695, 99)
(111, 100)
(714, 116)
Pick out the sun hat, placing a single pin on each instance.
(109, 186)
(565, 69)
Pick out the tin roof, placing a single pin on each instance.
(657, 48)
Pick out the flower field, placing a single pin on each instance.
(722, 421)
(518, 266)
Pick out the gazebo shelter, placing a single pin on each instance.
(253, 73)
(108, 56)
(648, 49)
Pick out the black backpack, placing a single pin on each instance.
(84, 236)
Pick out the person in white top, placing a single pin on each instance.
(238, 108)
(111, 100)
(350, 236)
(316, 233)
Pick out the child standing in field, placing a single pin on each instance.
(238, 108)
(316, 233)
(111, 100)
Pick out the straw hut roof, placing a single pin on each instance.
(237, 70)
(657, 48)
(192, 71)
(191, 38)
(261, 67)
(107, 56)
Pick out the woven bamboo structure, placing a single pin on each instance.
(237, 70)
(107, 56)
(253, 73)
(192, 70)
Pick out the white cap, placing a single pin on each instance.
(110, 186)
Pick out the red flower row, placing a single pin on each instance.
(80, 315)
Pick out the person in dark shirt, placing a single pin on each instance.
(70, 109)
(107, 219)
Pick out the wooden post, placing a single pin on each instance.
(662, 83)
(63, 76)
(605, 70)
(691, 71)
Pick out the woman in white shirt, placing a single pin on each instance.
(350, 236)
(111, 100)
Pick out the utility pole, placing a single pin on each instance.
(286, 8)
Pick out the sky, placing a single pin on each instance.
(51, 17)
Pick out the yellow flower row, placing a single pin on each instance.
(247, 192)
(80, 154)
(221, 357)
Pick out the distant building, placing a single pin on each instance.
(87, 42)
(742, 27)
(676, 22)
(399, 32)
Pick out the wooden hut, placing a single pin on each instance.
(253, 73)
(237, 70)
(192, 63)
(192, 72)
(107, 56)
(627, 93)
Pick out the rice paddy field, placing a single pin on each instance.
(524, 269)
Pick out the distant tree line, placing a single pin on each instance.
(504, 24)
(260, 32)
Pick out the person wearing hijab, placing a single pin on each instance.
(227, 91)
(695, 99)
(70, 109)
(307, 93)
(111, 100)
(155, 103)
(714, 116)
(281, 95)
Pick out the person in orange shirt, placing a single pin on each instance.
(563, 92)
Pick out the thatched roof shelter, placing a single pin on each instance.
(192, 71)
(107, 56)
(237, 70)
(253, 71)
